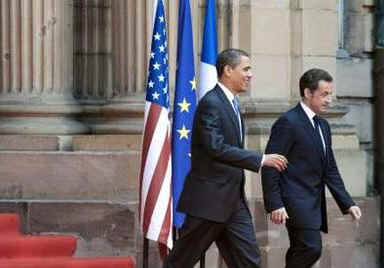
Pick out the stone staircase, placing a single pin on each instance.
(45, 251)
(85, 186)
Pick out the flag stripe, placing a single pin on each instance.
(208, 75)
(149, 129)
(164, 233)
(153, 112)
(160, 210)
(156, 183)
(154, 152)
(208, 78)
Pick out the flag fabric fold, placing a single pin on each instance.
(156, 160)
(208, 73)
(184, 107)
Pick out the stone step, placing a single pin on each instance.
(9, 224)
(102, 228)
(68, 263)
(69, 175)
(12, 246)
(70, 142)
(29, 143)
(112, 229)
(106, 142)
(18, 250)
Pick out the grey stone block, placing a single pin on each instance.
(102, 229)
(69, 175)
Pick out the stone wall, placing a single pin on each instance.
(355, 76)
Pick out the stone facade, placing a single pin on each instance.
(72, 86)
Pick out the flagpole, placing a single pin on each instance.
(202, 260)
(145, 241)
(145, 253)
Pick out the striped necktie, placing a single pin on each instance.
(237, 112)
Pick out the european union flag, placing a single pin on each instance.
(184, 107)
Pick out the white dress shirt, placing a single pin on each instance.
(310, 115)
(231, 97)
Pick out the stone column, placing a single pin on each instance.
(112, 45)
(112, 41)
(37, 68)
(379, 85)
(379, 131)
(314, 43)
(379, 122)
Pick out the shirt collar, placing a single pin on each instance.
(308, 112)
(227, 92)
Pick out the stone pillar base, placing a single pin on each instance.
(41, 119)
(78, 167)
(115, 118)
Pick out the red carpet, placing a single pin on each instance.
(48, 251)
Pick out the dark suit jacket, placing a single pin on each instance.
(301, 187)
(215, 183)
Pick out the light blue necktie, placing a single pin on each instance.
(236, 105)
(237, 112)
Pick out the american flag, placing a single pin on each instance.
(156, 167)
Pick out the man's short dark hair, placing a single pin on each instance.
(310, 79)
(231, 57)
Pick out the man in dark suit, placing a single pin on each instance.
(213, 195)
(296, 196)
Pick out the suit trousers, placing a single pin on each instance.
(235, 240)
(305, 248)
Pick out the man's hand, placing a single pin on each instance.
(279, 216)
(275, 161)
(355, 212)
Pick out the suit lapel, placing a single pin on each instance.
(310, 131)
(229, 109)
